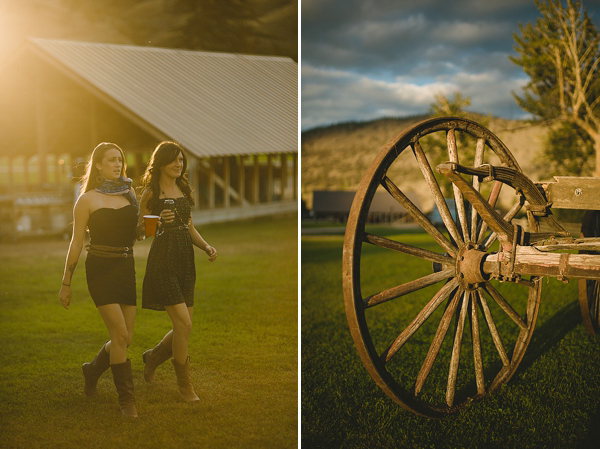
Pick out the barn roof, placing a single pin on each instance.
(215, 104)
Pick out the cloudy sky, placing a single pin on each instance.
(365, 59)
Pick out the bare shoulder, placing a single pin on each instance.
(85, 201)
(85, 198)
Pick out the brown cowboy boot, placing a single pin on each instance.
(154, 357)
(124, 382)
(184, 381)
(94, 369)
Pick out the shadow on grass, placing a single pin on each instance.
(593, 435)
(550, 334)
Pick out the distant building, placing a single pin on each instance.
(237, 115)
(436, 218)
(336, 204)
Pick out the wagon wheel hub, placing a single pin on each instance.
(469, 267)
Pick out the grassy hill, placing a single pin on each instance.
(336, 157)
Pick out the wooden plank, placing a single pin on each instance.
(570, 192)
(530, 261)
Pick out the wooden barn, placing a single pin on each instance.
(237, 116)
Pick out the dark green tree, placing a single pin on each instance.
(268, 27)
(560, 53)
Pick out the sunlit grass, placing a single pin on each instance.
(243, 350)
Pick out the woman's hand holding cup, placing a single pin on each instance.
(167, 215)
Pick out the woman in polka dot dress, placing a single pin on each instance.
(170, 272)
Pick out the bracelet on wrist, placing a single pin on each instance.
(68, 285)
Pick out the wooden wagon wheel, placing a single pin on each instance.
(589, 289)
(378, 347)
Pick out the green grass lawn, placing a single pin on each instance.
(243, 347)
(553, 400)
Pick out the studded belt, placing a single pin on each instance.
(110, 251)
(168, 228)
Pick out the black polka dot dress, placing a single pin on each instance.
(170, 271)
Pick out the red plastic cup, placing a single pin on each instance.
(151, 221)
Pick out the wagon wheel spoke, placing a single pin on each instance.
(411, 250)
(455, 359)
(418, 321)
(477, 357)
(496, 296)
(492, 200)
(476, 185)
(408, 287)
(436, 343)
(436, 191)
(492, 327)
(458, 196)
(508, 217)
(419, 217)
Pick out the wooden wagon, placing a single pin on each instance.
(483, 267)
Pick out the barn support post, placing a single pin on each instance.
(211, 184)
(255, 181)
(295, 186)
(41, 131)
(283, 175)
(242, 180)
(26, 171)
(227, 182)
(11, 174)
(269, 178)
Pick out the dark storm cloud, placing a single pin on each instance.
(364, 58)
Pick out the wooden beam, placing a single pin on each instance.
(573, 192)
(256, 181)
(269, 178)
(41, 134)
(227, 181)
(283, 175)
(11, 175)
(295, 176)
(221, 183)
(211, 184)
(26, 170)
(242, 180)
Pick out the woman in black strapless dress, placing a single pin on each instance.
(107, 207)
(170, 272)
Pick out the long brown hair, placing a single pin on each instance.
(90, 180)
(164, 153)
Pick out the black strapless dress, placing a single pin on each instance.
(112, 280)
(171, 271)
